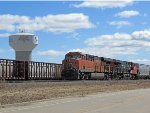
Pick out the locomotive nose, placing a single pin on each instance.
(70, 63)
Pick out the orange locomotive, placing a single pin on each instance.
(81, 66)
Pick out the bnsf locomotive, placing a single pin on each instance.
(84, 66)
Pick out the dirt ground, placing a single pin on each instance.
(30, 91)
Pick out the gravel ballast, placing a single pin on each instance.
(11, 93)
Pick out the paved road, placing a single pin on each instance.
(134, 101)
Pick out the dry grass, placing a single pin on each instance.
(30, 91)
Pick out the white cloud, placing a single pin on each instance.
(8, 22)
(119, 24)
(51, 53)
(110, 40)
(136, 39)
(118, 44)
(109, 45)
(142, 35)
(141, 61)
(127, 14)
(7, 27)
(106, 51)
(4, 35)
(104, 4)
(51, 23)
(13, 19)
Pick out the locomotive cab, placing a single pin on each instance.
(71, 65)
(134, 70)
(72, 60)
(71, 55)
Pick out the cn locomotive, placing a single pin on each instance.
(77, 65)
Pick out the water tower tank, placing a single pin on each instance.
(23, 44)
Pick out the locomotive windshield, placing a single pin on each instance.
(76, 56)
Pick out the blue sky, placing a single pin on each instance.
(118, 30)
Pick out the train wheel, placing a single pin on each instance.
(106, 77)
(85, 77)
(117, 77)
(82, 76)
(88, 77)
(132, 77)
(136, 77)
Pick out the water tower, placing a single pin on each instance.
(23, 44)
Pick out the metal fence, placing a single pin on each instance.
(24, 70)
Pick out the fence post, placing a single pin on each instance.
(26, 70)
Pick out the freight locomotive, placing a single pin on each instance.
(77, 65)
